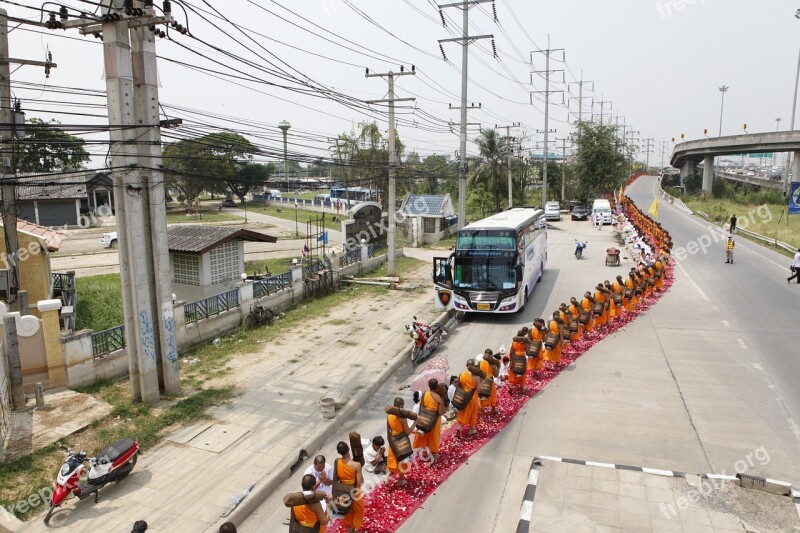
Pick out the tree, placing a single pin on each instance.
(248, 177)
(490, 172)
(208, 163)
(46, 148)
(602, 163)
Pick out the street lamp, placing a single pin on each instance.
(284, 126)
(777, 129)
(792, 162)
(296, 230)
(723, 90)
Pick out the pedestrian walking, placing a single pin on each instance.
(729, 249)
(733, 223)
(795, 268)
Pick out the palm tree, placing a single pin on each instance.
(490, 172)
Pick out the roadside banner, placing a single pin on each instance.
(654, 208)
(794, 198)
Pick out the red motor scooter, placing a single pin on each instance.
(426, 339)
(113, 463)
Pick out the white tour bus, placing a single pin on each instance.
(496, 264)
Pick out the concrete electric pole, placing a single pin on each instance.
(580, 98)
(509, 140)
(465, 40)
(135, 145)
(547, 92)
(392, 236)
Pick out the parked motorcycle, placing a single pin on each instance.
(113, 463)
(579, 246)
(426, 339)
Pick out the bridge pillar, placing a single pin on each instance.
(686, 171)
(708, 173)
(795, 167)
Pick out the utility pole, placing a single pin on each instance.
(723, 90)
(648, 152)
(664, 145)
(131, 86)
(465, 40)
(603, 103)
(547, 53)
(11, 117)
(630, 146)
(580, 99)
(392, 237)
(563, 142)
(509, 140)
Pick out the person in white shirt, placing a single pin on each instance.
(375, 456)
(451, 390)
(323, 473)
(505, 366)
(795, 268)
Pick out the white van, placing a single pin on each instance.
(604, 207)
(274, 193)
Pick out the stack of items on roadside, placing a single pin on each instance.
(534, 350)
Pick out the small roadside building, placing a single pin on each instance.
(33, 257)
(206, 260)
(428, 217)
(72, 199)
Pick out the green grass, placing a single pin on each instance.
(404, 265)
(275, 266)
(99, 302)
(444, 244)
(179, 216)
(32, 473)
(288, 213)
(769, 220)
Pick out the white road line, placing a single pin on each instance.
(526, 512)
(758, 367)
(696, 286)
(533, 477)
(602, 465)
(658, 472)
(725, 322)
(742, 344)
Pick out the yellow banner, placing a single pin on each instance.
(654, 208)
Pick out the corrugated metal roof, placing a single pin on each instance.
(424, 204)
(198, 239)
(57, 187)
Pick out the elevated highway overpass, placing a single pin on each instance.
(687, 155)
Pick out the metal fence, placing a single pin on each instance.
(316, 266)
(208, 307)
(371, 251)
(272, 284)
(108, 341)
(350, 258)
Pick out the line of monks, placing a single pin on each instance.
(533, 349)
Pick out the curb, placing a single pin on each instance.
(267, 486)
(772, 486)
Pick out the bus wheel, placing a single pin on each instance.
(524, 301)
(541, 271)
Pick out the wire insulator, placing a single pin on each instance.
(444, 56)
(441, 14)
(494, 10)
(494, 48)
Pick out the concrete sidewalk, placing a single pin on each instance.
(188, 482)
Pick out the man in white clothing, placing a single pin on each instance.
(795, 268)
(323, 473)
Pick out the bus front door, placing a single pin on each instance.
(443, 282)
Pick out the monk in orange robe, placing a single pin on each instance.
(563, 313)
(611, 306)
(586, 304)
(630, 284)
(554, 354)
(537, 337)
(575, 311)
(349, 472)
(519, 348)
(617, 289)
(432, 402)
(601, 294)
(659, 274)
(397, 426)
(311, 514)
(491, 367)
(468, 417)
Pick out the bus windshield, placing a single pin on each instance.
(484, 274)
(486, 240)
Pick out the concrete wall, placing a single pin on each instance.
(82, 368)
(5, 396)
(34, 268)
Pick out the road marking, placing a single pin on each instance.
(658, 472)
(696, 286)
(758, 367)
(526, 511)
(726, 323)
(742, 344)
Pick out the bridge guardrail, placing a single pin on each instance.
(676, 202)
(775, 242)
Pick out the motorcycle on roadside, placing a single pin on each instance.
(426, 339)
(112, 463)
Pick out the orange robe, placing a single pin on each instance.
(565, 325)
(630, 304)
(469, 415)
(660, 281)
(517, 348)
(533, 359)
(575, 313)
(356, 515)
(397, 426)
(602, 318)
(554, 354)
(614, 310)
(491, 401)
(433, 438)
(586, 305)
(652, 272)
(306, 517)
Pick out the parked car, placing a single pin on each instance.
(228, 202)
(580, 212)
(552, 211)
(109, 239)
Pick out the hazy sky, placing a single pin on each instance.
(659, 63)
